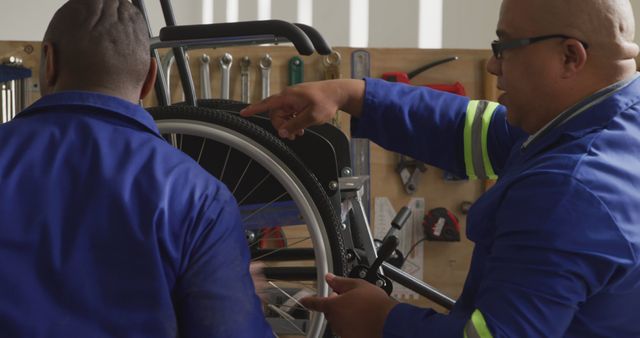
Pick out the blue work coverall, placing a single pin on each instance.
(557, 239)
(106, 230)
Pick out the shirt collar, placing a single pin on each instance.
(580, 107)
(94, 100)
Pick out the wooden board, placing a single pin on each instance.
(313, 71)
(445, 264)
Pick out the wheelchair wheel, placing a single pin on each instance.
(290, 223)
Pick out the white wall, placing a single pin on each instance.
(476, 29)
(465, 23)
(16, 24)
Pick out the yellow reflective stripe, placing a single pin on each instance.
(477, 326)
(486, 120)
(468, 127)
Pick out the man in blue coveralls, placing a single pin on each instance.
(106, 230)
(557, 239)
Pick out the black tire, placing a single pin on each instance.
(173, 119)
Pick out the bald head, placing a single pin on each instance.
(540, 80)
(99, 45)
(607, 26)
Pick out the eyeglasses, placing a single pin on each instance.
(498, 46)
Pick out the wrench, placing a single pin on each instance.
(360, 64)
(12, 97)
(5, 109)
(205, 77)
(245, 63)
(265, 71)
(331, 64)
(165, 62)
(10, 91)
(296, 70)
(12, 61)
(225, 67)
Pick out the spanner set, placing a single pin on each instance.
(249, 75)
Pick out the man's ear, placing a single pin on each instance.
(575, 57)
(150, 81)
(50, 67)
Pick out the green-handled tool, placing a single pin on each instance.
(296, 70)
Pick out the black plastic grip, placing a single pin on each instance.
(319, 43)
(386, 249)
(232, 30)
(401, 218)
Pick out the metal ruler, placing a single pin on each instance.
(360, 147)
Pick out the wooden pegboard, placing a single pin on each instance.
(446, 264)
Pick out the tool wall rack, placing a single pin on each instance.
(445, 263)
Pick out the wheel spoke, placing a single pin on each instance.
(254, 189)
(288, 239)
(288, 295)
(274, 188)
(286, 317)
(307, 285)
(204, 140)
(277, 250)
(264, 207)
(242, 176)
(224, 167)
(284, 310)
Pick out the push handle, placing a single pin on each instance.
(240, 30)
(401, 218)
(319, 43)
(398, 222)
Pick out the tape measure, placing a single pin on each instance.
(441, 224)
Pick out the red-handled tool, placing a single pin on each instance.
(455, 88)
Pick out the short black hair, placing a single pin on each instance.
(103, 43)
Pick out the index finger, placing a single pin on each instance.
(271, 102)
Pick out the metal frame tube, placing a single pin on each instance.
(162, 93)
(420, 287)
(181, 60)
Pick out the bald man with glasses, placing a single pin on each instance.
(557, 239)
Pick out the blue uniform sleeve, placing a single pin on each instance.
(409, 321)
(555, 246)
(215, 296)
(435, 127)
